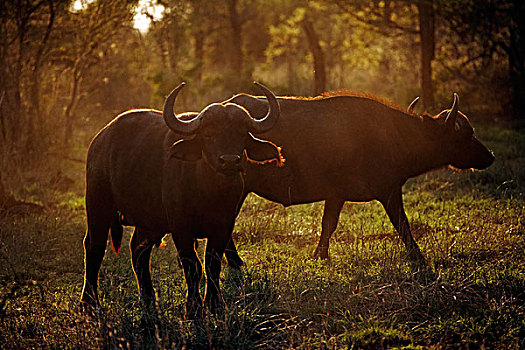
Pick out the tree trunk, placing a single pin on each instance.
(199, 53)
(426, 32)
(6, 198)
(34, 113)
(18, 111)
(199, 35)
(318, 57)
(517, 84)
(68, 117)
(516, 54)
(236, 58)
(2, 121)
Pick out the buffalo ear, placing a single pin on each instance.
(260, 151)
(189, 150)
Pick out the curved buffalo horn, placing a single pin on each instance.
(179, 126)
(274, 111)
(453, 113)
(410, 108)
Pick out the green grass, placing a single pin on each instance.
(470, 226)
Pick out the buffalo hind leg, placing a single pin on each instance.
(393, 205)
(332, 209)
(99, 220)
(232, 256)
(101, 213)
(192, 273)
(94, 251)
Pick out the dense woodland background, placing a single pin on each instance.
(69, 67)
(64, 72)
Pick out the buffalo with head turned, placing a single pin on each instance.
(346, 147)
(163, 173)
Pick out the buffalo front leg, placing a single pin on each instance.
(232, 256)
(214, 251)
(140, 246)
(332, 209)
(192, 273)
(393, 205)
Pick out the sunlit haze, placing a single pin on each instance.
(141, 21)
(143, 13)
(79, 5)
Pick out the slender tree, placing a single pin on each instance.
(427, 45)
(25, 29)
(391, 18)
(488, 29)
(317, 54)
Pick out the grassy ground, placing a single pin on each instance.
(470, 226)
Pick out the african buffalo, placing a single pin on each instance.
(163, 173)
(345, 147)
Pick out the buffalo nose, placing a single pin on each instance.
(492, 157)
(230, 162)
(486, 161)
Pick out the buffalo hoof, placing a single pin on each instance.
(87, 309)
(194, 311)
(215, 306)
(321, 253)
(425, 275)
(417, 258)
(89, 306)
(149, 333)
(149, 313)
(90, 313)
(234, 260)
(148, 326)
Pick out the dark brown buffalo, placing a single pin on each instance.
(342, 147)
(165, 175)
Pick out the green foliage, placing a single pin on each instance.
(66, 72)
(374, 336)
